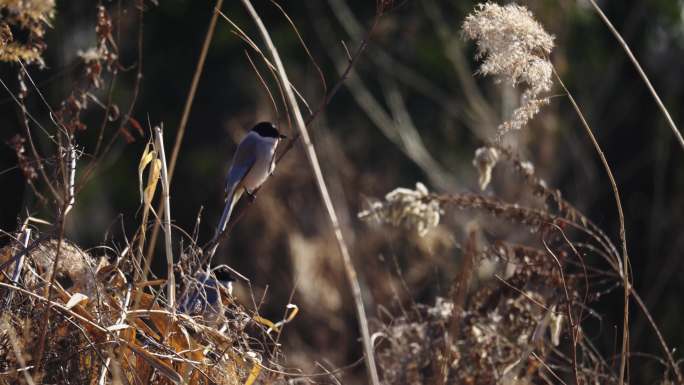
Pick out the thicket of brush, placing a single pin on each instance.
(520, 287)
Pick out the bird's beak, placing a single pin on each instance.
(281, 136)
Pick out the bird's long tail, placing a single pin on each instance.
(231, 200)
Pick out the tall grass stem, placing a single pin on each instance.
(313, 160)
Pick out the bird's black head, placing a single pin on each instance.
(268, 130)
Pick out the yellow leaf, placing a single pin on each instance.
(265, 322)
(148, 155)
(293, 311)
(288, 318)
(254, 373)
(152, 179)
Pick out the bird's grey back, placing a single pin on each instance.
(243, 160)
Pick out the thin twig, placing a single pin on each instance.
(45, 325)
(243, 36)
(105, 119)
(90, 169)
(624, 273)
(138, 74)
(313, 160)
(663, 344)
(6, 326)
(459, 288)
(186, 114)
(306, 48)
(62, 308)
(18, 267)
(574, 327)
(333, 91)
(32, 146)
(60, 127)
(276, 113)
(193, 89)
(641, 72)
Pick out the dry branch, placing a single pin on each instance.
(641, 72)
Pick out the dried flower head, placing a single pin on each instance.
(90, 55)
(30, 10)
(98, 59)
(17, 143)
(5, 35)
(413, 209)
(31, 16)
(484, 161)
(514, 47)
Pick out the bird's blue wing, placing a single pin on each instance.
(243, 160)
(235, 176)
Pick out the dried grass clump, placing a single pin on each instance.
(514, 47)
(522, 324)
(32, 16)
(513, 330)
(414, 346)
(104, 326)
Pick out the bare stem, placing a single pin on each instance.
(48, 294)
(624, 274)
(170, 281)
(18, 267)
(641, 72)
(573, 327)
(39, 161)
(98, 160)
(313, 160)
(663, 344)
(186, 114)
(9, 331)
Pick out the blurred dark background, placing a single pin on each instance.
(413, 110)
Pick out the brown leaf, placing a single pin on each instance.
(163, 368)
(137, 126)
(126, 134)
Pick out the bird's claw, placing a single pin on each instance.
(250, 195)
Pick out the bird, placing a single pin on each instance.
(253, 162)
(203, 295)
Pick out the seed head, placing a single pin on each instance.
(514, 48)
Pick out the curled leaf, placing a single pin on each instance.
(148, 155)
